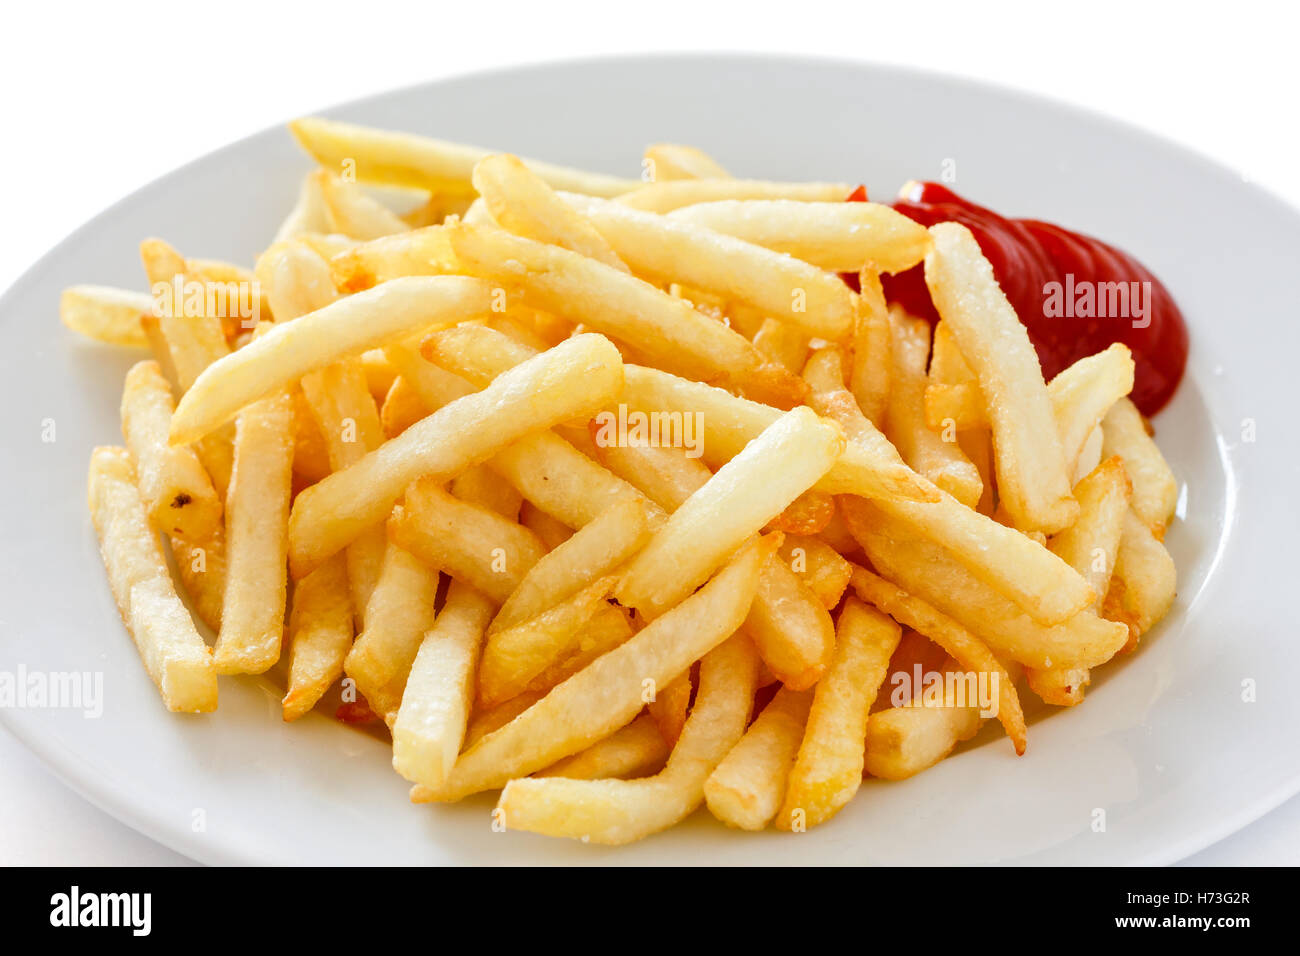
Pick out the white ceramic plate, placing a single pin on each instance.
(1165, 745)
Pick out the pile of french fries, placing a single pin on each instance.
(401, 481)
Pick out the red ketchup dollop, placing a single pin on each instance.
(1075, 295)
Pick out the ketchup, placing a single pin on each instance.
(1075, 294)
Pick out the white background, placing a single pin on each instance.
(100, 99)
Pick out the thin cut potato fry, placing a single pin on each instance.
(400, 611)
(257, 517)
(311, 459)
(434, 712)
(420, 252)
(402, 408)
(106, 314)
(790, 626)
(201, 566)
(172, 651)
(835, 236)
(468, 542)
(869, 375)
(522, 203)
(664, 474)
(403, 159)
(669, 707)
(606, 631)
(828, 769)
(933, 454)
(339, 330)
(572, 379)
(514, 656)
(662, 197)
(964, 647)
(824, 369)
(350, 212)
(819, 566)
(668, 161)
(193, 342)
(607, 694)
(807, 514)
(482, 486)
(781, 287)
(869, 465)
(1083, 393)
(620, 811)
(1143, 585)
(747, 787)
(608, 301)
(1155, 490)
(308, 212)
(1031, 469)
(550, 531)
(927, 571)
(1090, 546)
(743, 496)
(597, 549)
(436, 387)
(782, 343)
(320, 634)
(637, 750)
(482, 723)
(176, 490)
(903, 741)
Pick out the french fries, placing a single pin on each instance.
(257, 516)
(620, 811)
(828, 768)
(435, 702)
(345, 328)
(177, 492)
(790, 455)
(1032, 477)
(171, 649)
(573, 379)
(572, 471)
(835, 236)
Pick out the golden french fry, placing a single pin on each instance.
(1083, 393)
(903, 741)
(607, 694)
(177, 492)
(790, 627)
(106, 314)
(608, 301)
(620, 811)
(482, 486)
(194, 339)
(937, 455)
(807, 514)
(869, 465)
(1142, 587)
(400, 611)
(311, 457)
(570, 380)
(468, 542)
(431, 722)
(551, 532)
(403, 159)
(201, 566)
(172, 651)
(964, 647)
(828, 769)
(1155, 490)
(927, 571)
(1031, 469)
(257, 516)
(669, 707)
(743, 496)
(637, 750)
(824, 369)
(869, 375)
(350, 212)
(747, 787)
(606, 631)
(665, 474)
(595, 550)
(1090, 546)
(819, 566)
(308, 213)
(420, 252)
(522, 203)
(320, 634)
(662, 197)
(669, 161)
(342, 329)
(837, 236)
(514, 656)
(667, 249)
